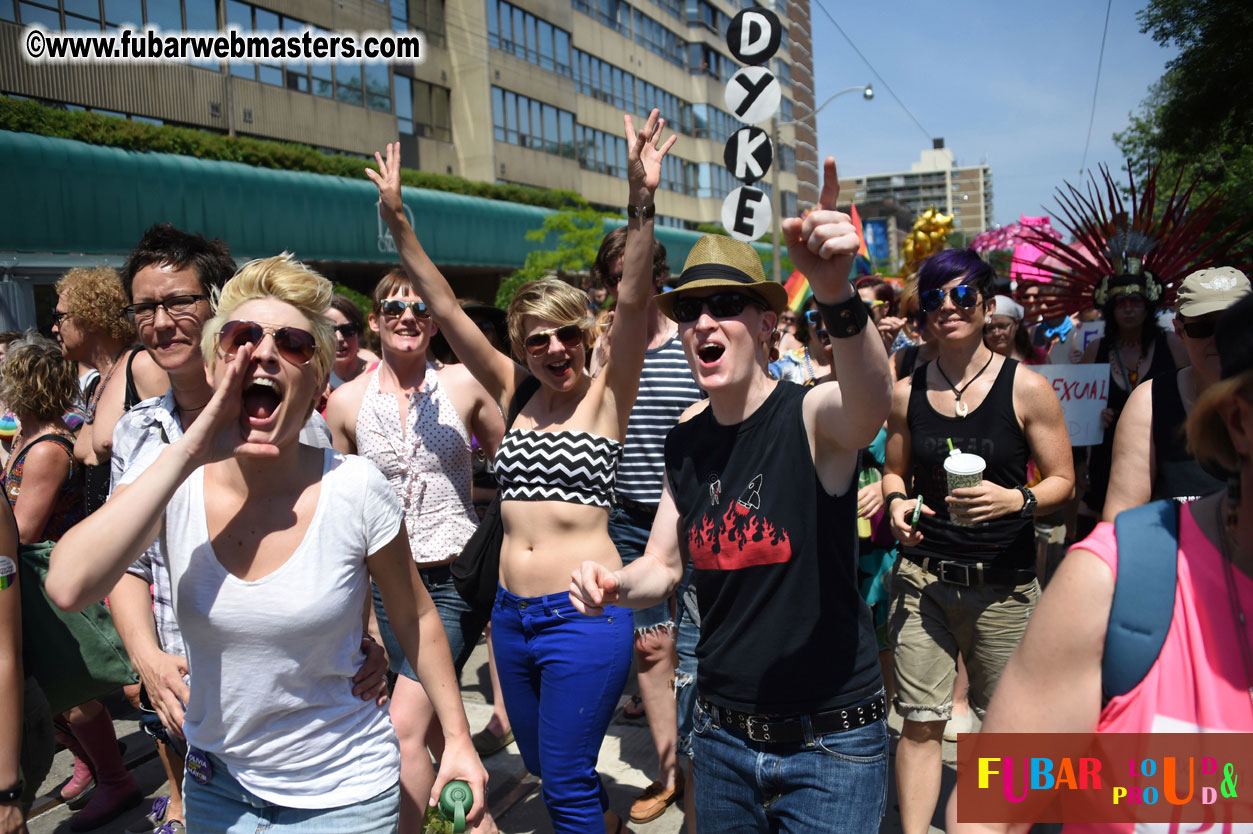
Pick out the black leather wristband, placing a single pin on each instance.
(887, 502)
(846, 319)
(641, 211)
(12, 794)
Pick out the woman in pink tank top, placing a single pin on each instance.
(1202, 680)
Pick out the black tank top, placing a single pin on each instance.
(1178, 474)
(96, 477)
(783, 628)
(990, 431)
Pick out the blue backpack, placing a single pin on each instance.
(1144, 594)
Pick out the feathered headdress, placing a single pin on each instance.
(1146, 250)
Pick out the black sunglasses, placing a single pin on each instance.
(394, 308)
(295, 345)
(1200, 329)
(570, 336)
(347, 330)
(723, 305)
(963, 295)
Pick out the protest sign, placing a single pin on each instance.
(1083, 391)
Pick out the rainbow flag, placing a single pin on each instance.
(797, 285)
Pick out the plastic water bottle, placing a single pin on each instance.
(454, 801)
(868, 476)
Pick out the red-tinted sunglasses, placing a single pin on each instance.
(295, 345)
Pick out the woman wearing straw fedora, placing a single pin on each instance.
(761, 495)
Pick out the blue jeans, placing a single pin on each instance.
(561, 673)
(629, 533)
(462, 626)
(836, 782)
(687, 637)
(225, 807)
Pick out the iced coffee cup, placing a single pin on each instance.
(963, 470)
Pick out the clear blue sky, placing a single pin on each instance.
(1006, 83)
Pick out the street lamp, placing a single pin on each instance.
(867, 92)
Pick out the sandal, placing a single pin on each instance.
(486, 742)
(633, 711)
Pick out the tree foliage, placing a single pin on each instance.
(578, 235)
(1197, 119)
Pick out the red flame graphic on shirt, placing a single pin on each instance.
(741, 538)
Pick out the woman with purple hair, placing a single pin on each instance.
(966, 582)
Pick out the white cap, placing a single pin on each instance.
(1003, 305)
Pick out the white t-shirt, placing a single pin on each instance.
(272, 659)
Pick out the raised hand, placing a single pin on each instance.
(644, 155)
(822, 245)
(387, 179)
(222, 428)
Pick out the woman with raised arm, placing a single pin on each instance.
(788, 730)
(561, 671)
(272, 545)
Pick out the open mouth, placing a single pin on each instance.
(710, 352)
(558, 369)
(262, 398)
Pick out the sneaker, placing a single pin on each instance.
(655, 799)
(172, 827)
(152, 821)
(959, 723)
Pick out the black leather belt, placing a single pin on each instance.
(789, 729)
(635, 507)
(970, 574)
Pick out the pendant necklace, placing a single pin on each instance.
(960, 407)
(94, 401)
(1233, 598)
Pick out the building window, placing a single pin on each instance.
(404, 105)
(615, 14)
(431, 107)
(783, 72)
(428, 17)
(528, 123)
(604, 81)
(656, 38)
(532, 39)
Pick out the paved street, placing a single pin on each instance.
(625, 760)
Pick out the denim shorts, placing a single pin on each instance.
(834, 782)
(686, 638)
(462, 625)
(629, 531)
(223, 806)
(930, 621)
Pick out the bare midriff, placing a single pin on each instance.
(546, 541)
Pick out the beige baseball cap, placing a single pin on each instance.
(1210, 291)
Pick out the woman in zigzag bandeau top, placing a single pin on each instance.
(561, 672)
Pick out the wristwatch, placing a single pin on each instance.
(641, 211)
(14, 793)
(1028, 502)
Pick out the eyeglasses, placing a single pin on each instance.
(394, 308)
(723, 305)
(571, 335)
(1201, 328)
(57, 316)
(347, 330)
(814, 318)
(963, 295)
(178, 306)
(824, 337)
(295, 345)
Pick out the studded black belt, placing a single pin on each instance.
(790, 729)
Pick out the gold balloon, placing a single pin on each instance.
(928, 236)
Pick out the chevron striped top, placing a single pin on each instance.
(573, 466)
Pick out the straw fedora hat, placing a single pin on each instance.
(724, 263)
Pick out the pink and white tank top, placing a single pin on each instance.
(425, 456)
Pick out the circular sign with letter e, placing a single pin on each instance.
(753, 95)
(753, 36)
(746, 213)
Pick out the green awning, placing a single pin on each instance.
(71, 202)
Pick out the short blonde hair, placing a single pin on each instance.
(285, 279)
(1207, 430)
(95, 296)
(36, 381)
(550, 299)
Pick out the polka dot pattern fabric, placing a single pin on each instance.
(425, 456)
